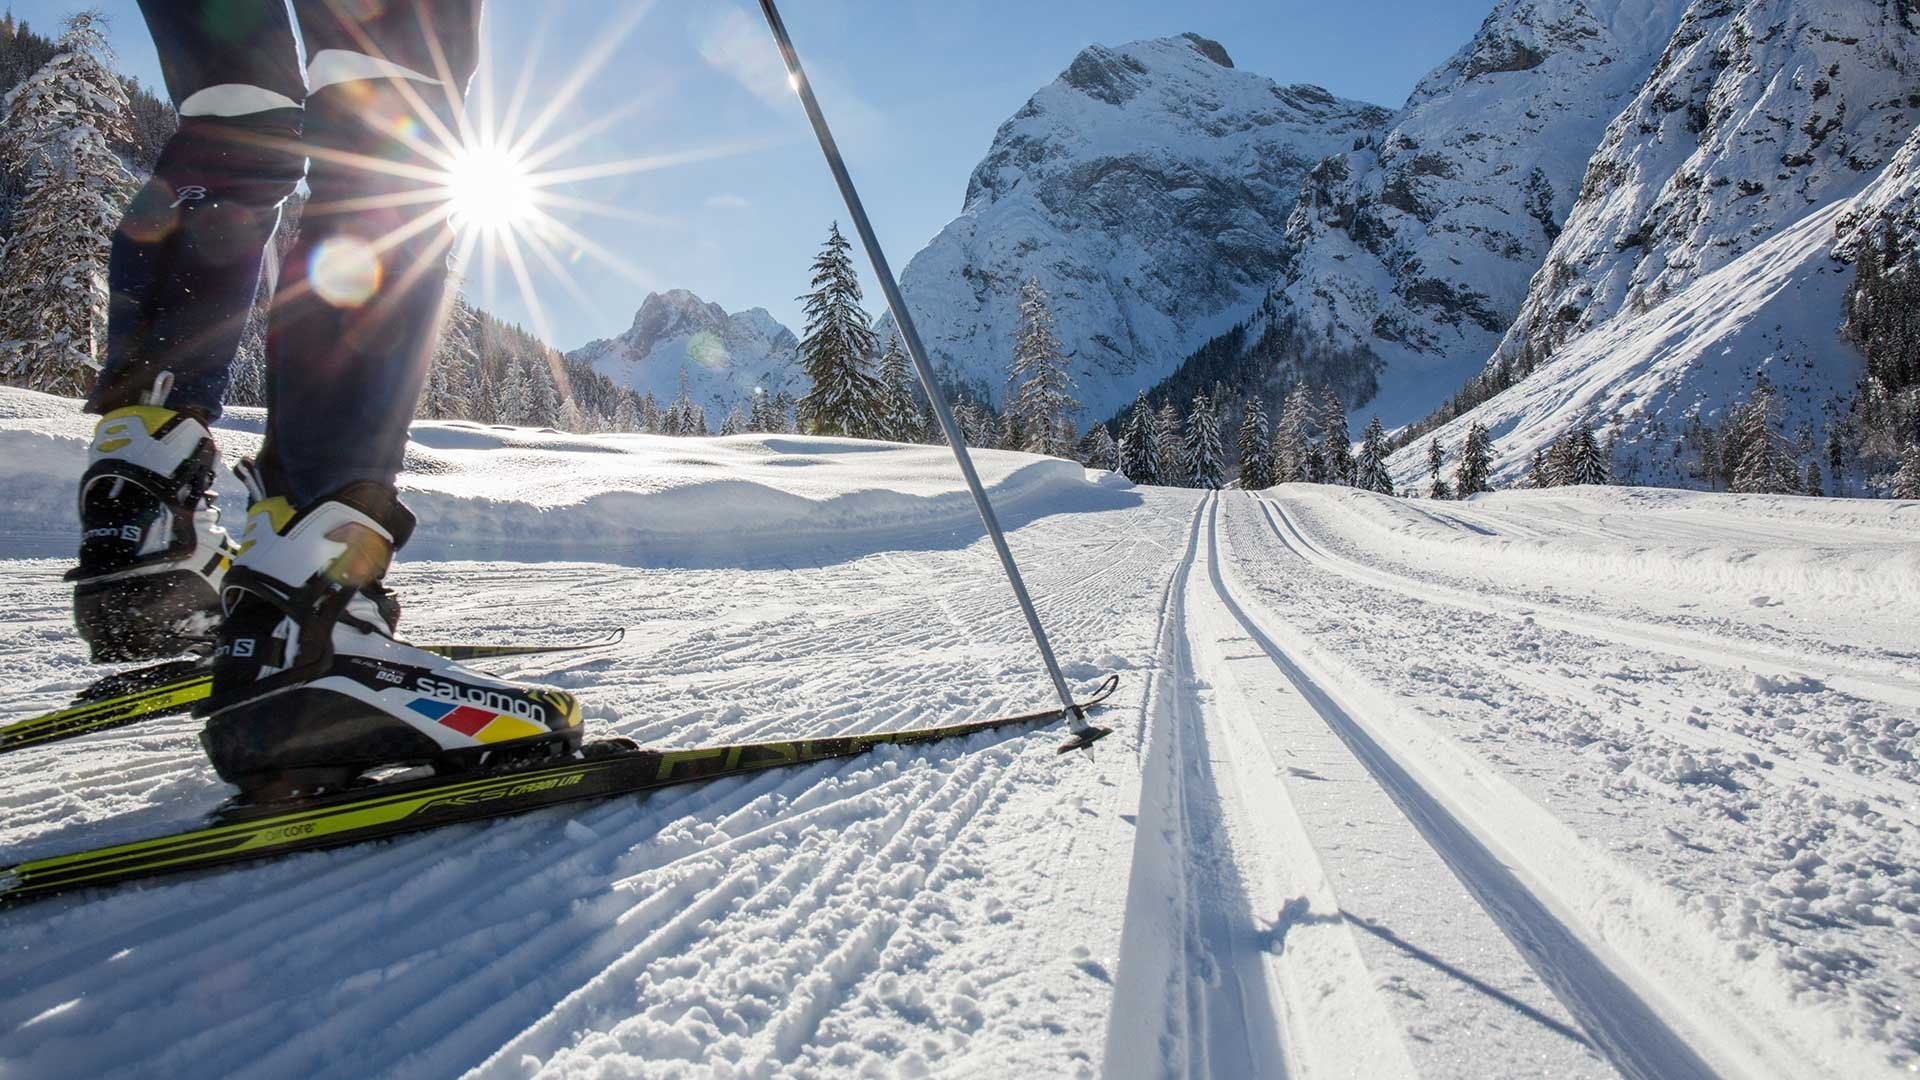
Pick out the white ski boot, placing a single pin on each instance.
(152, 552)
(311, 690)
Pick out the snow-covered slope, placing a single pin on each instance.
(1420, 244)
(1759, 113)
(723, 357)
(1711, 243)
(1148, 188)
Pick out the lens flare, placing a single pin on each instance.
(345, 271)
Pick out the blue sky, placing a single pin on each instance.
(915, 89)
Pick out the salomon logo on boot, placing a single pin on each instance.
(152, 552)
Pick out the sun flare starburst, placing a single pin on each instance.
(488, 187)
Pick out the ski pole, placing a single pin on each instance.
(1084, 733)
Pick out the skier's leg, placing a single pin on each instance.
(350, 338)
(186, 257)
(310, 688)
(185, 266)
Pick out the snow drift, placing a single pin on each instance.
(642, 500)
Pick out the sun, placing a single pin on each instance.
(490, 188)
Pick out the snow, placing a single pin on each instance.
(1580, 783)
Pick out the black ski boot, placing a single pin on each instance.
(311, 690)
(152, 552)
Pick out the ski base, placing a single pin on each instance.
(392, 808)
(173, 687)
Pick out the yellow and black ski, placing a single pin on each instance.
(173, 687)
(390, 808)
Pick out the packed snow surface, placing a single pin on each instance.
(1574, 783)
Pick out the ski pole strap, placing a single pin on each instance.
(910, 336)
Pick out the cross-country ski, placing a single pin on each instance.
(755, 540)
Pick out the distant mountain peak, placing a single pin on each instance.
(725, 357)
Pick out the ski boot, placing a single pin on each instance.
(311, 690)
(152, 552)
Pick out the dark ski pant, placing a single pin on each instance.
(360, 293)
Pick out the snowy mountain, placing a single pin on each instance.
(1419, 246)
(723, 357)
(1148, 188)
(1709, 245)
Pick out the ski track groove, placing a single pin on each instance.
(1495, 834)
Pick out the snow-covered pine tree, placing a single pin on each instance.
(626, 413)
(1813, 484)
(1757, 452)
(1560, 463)
(679, 418)
(1204, 456)
(1171, 447)
(899, 412)
(735, 423)
(1476, 463)
(1039, 398)
(1290, 440)
(1140, 444)
(60, 127)
(572, 417)
(1256, 447)
(1339, 444)
(652, 420)
(1538, 475)
(1370, 471)
(1906, 479)
(783, 409)
(515, 395)
(1589, 464)
(1313, 469)
(1099, 450)
(456, 358)
(1436, 459)
(760, 416)
(545, 398)
(837, 351)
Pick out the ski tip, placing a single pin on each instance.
(1084, 739)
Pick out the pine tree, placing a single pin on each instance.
(1436, 459)
(1339, 444)
(456, 359)
(1171, 433)
(515, 393)
(1811, 483)
(783, 410)
(1204, 456)
(1370, 472)
(1140, 444)
(1538, 475)
(1476, 463)
(1560, 464)
(1314, 468)
(899, 412)
(626, 414)
(60, 129)
(1906, 479)
(652, 420)
(1256, 447)
(1040, 398)
(1290, 440)
(837, 351)
(1759, 456)
(735, 423)
(1098, 449)
(679, 416)
(1589, 465)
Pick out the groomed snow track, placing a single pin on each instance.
(1355, 821)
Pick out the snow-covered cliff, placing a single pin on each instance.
(1148, 188)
